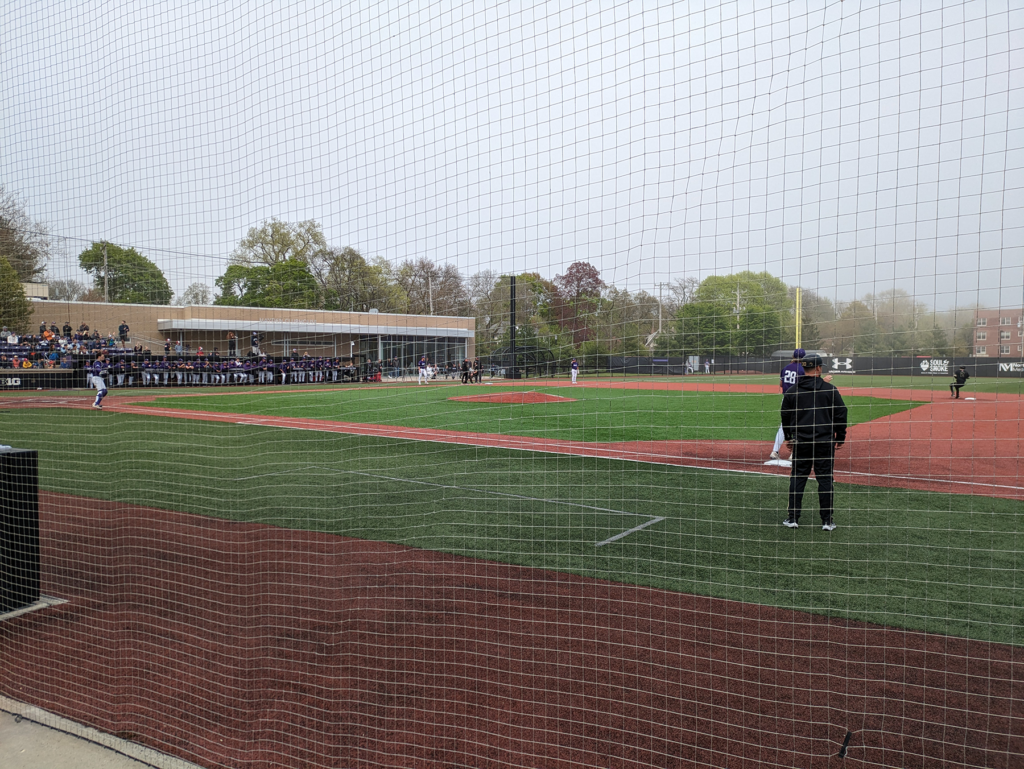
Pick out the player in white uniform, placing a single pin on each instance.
(574, 369)
(422, 365)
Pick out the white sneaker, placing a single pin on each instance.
(790, 524)
(774, 455)
(97, 406)
(829, 527)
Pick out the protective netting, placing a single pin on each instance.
(407, 381)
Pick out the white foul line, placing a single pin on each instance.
(629, 531)
(620, 535)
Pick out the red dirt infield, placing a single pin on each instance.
(519, 396)
(249, 646)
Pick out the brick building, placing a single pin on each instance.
(998, 334)
(317, 332)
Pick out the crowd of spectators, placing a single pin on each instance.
(57, 346)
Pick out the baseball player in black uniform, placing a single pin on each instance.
(814, 424)
(960, 378)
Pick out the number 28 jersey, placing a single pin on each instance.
(790, 375)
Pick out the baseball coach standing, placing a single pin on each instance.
(814, 425)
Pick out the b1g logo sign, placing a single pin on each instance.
(935, 366)
(12, 382)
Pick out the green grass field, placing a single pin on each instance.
(597, 415)
(943, 563)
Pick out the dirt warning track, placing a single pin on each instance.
(251, 646)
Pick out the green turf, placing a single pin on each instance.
(943, 563)
(602, 415)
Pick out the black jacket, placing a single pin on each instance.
(813, 410)
(961, 377)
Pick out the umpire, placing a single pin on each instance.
(814, 425)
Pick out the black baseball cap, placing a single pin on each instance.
(811, 361)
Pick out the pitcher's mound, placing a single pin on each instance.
(513, 397)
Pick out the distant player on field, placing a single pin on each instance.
(574, 369)
(422, 366)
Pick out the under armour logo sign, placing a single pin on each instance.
(846, 363)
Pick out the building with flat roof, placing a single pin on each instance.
(282, 332)
(998, 334)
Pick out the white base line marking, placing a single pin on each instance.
(654, 519)
(279, 472)
(628, 531)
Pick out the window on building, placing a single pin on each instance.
(1004, 349)
(981, 351)
(1004, 334)
(1006, 321)
(982, 336)
(982, 321)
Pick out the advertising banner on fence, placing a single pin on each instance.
(837, 365)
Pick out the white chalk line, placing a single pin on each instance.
(620, 535)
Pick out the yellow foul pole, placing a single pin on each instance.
(799, 309)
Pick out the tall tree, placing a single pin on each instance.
(432, 289)
(68, 290)
(284, 284)
(197, 293)
(25, 243)
(579, 292)
(130, 277)
(277, 241)
(15, 308)
(856, 330)
(348, 282)
(700, 328)
(742, 314)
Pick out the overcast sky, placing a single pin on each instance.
(849, 147)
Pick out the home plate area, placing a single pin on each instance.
(529, 396)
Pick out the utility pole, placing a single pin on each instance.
(430, 293)
(106, 290)
(661, 287)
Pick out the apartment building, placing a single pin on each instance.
(998, 334)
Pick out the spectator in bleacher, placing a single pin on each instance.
(122, 332)
(178, 349)
(67, 329)
(42, 328)
(83, 329)
(232, 349)
(167, 347)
